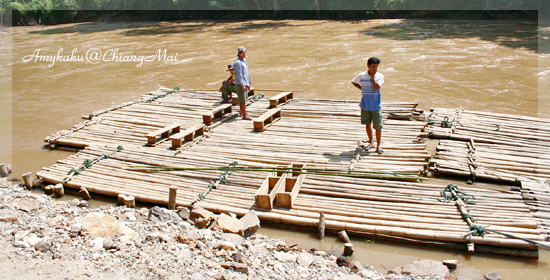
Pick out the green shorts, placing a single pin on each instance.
(241, 94)
(372, 116)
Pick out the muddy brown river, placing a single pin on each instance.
(59, 73)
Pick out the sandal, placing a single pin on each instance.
(380, 151)
(247, 118)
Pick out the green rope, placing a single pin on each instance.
(212, 184)
(477, 230)
(254, 98)
(517, 237)
(459, 194)
(161, 95)
(87, 164)
(445, 122)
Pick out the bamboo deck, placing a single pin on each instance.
(324, 134)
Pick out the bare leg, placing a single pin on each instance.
(378, 138)
(369, 133)
(242, 113)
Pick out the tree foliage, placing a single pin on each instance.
(63, 11)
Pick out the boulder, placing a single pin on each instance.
(201, 217)
(101, 225)
(227, 224)
(305, 259)
(250, 223)
(183, 212)
(26, 204)
(163, 215)
(423, 268)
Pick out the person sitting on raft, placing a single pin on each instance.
(228, 86)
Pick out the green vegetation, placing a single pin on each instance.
(32, 12)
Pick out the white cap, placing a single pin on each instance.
(241, 49)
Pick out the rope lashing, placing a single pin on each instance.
(445, 122)
(255, 98)
(87, 164)
(475, 229)
(459, 194)
(212, 184)
(161, 95)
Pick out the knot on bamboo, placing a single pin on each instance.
(447, 193)
(213, 184)
(254, 98)
(87, 164)
(160, 95)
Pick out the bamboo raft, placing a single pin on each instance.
(367, 193)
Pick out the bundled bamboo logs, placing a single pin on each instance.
(323, 133)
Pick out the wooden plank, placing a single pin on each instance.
(267, 119)
(217, 113)
(163, 132)
(266, 194)
(187, 135)
(280, 98)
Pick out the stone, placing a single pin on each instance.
(163, 215)
(42, 245)
(7, 216)
(304, 259)
(101, 225)
(240, 267)
(342, 261)
(186, 255)
(356, 266)
(21, 244)
(367, 273)
(21, 234)
(183, 212)
(451, 264)
(32, 239)
(97, 244)
(235, 238)
(201, 217)
(227, 224)
(83, 204)
(423, 268)
(259, 250)
(226, 245)
(250, 222)
(26, 204)
(238, 257)
(128, 235)
(165, 238)
(76, 227)
(492, 276)
(108, 244)
(285, 257)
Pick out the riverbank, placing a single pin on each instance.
(46, 238)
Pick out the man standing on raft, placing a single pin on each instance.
(242, 81)
(369, 83)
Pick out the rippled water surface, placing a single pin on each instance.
(492, 66)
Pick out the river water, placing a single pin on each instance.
(496, 66)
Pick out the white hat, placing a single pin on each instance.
(241, 49)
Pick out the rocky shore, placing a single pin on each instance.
(44, 238)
